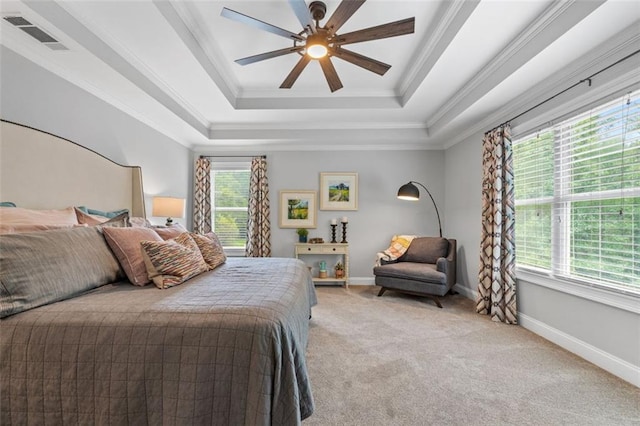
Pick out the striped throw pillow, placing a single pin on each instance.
(173, 261)
(211, 249)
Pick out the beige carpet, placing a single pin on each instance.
(399, 360)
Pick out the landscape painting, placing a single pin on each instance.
(297, 209)
(338, 191)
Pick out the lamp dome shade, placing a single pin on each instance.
(409, 191)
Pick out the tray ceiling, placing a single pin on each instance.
(468, 66)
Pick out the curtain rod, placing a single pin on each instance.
(232, 156)
(584, 80)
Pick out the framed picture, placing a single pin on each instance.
(338, 191)
(297, 209)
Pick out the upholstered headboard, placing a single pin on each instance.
(42, 171)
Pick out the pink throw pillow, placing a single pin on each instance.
(168, 232)
(89, 219)
(21, 216)
(125, 244)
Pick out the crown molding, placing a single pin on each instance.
(342, 134)
(340, 102)
(34, 52)
(621, 77)
(183, 20)
(251, 146)
(449, 19)
(556, 20)
(63, 19)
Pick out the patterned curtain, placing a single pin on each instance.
(497, 282)
(202, 197)
(258, 223)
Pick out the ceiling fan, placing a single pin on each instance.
(316, 42)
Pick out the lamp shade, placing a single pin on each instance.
(168, 207)
(409, 191)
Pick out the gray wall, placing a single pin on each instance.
(607, 335)
(35, 97)
(380, 214)
(463, 199)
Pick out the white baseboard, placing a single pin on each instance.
(604, 360)
(362, 281)
(466, 292)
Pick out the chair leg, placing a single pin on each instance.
(382, 290)
(435, 299)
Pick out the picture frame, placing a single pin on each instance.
(338, 191)
(297, 209)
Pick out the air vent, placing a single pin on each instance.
(35, 32)
(39, 35)
(18, 21)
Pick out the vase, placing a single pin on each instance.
(302, 238)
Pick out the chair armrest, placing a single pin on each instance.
(387, 262)
(447, 265)
(442, 264)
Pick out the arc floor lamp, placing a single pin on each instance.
(409, 191)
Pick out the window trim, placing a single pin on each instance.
(621, 299)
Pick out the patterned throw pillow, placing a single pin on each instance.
(211, 249)
(173, 261)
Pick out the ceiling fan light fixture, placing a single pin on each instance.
(317, 51)
(316, 46)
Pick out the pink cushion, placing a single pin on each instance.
(18, 220)
(125, 244)
(20, 216)
(89, 219)
(140, 222)
(23, 229)
(168, 232)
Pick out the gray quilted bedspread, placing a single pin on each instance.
(225, 348)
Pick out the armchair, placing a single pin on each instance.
(427, 268)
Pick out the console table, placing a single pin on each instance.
(327, 249)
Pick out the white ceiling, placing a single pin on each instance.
(468, 66)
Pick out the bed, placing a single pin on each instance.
(224, 347)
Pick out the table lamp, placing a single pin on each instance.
(168, 207)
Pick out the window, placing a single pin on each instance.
(229, 204)
(577, 191)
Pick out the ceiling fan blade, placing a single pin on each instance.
(344, 11)
(295, 72)
(330, 74)
(268, 55)
(362, 61)
(256, 23)
(301, 10)
(392, 29)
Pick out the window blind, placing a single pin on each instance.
(578, 197)
(229, 203)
